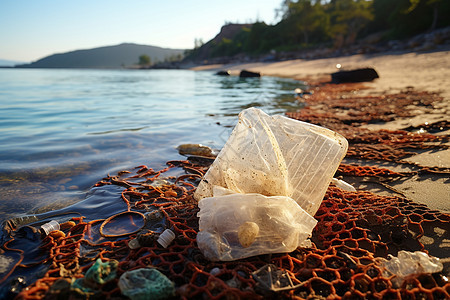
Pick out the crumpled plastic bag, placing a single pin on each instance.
(276, 156)
(234, 226)
(260, 194)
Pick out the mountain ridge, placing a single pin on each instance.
(115, 56)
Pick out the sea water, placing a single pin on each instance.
(63, 130)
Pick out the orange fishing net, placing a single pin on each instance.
(353, 230)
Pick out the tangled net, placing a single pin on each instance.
(354, 229)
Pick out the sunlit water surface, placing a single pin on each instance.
(63, 130)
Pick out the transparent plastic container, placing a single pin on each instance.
(276, 156)
(234, 226)
(166, 238)
(50, 226)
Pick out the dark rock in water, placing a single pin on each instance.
(223, 73)
(246, 74)
(357, 75)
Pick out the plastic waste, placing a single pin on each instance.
(166, 238)
(98, 274)
(276, 156)
(274, 279)
(234, 226)
(134, 244)
(146, 283)
(101, 272)
(407, 263)
(50, 226)
(343, 185)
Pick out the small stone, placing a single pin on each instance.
(247, 233)
(214, 271)
(134, 244)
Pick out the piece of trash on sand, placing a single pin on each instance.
(50, 226)
(271, 278)
(407, 263)
(166, 238)
(261, 192)
(276, 156)
(343, 185)
(97, 275)
(146, 283)
(236, 226)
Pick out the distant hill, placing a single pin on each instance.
(123, 55)
(227, 32)
(9, 63)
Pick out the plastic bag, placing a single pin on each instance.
(276, 156)
(407, 263)
(234, 226)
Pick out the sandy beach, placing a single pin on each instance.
(398, 71)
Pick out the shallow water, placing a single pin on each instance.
(63, 130)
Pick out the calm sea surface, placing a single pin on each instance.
(63, 130)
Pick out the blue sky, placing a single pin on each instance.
(32, 29)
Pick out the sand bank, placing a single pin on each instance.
(398, 71)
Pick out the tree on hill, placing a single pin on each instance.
(348, 18)
(434, 5)
(307, 18)
(144, 60)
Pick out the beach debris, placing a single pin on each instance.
(113, 226)
(271, 278)
(407, 263)
(166, 238)
(343, 185)
(50, 226)
(353, 229)
(134, 244)
(57, 234)
(196, 149)
(276, 156)
(262, 197)
(248, 74)
(146, 283)
(67, 225)
(236, 226)
(356, 75)
(97, 275)
(223, 73)
(101, 272)
(146, 238)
